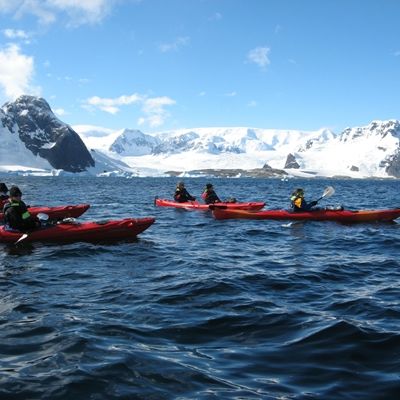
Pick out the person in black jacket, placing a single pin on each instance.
(181, 194)
(298, 202)
(209, 196)
(16, 214)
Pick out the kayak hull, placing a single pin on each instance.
(194, 205)
(345, 216)
(123, 229)
(59, 212)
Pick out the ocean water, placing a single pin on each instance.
(204, 309)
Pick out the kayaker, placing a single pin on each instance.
(16, 214)
(298, 203)
(209, 196)
(3, 194)
(181, 194)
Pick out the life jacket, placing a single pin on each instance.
(209, 196)
(13, 203)
(182, 195)
(17, 216)
(296, 202)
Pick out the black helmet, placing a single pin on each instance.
(209, 186)
(15, 191)
(299, 192)
(3, 187)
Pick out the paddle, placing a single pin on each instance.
(43, 217)
(23, 237)
(328, 192)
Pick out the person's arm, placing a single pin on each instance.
(13, 218)
(177, 195)
(189, 196)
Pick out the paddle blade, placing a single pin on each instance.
(328, 192)
(43, 217)
(23, 237)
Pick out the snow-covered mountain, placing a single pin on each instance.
(370, 151)
(29, 128)
(34, 139)
(134, 143)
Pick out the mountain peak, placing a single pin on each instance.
(377, 128)
(133, 142)
(32, 119)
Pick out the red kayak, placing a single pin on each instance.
(58, 213)
(194, 205)
(81, 232)
(345, 216)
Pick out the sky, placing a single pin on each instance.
(158, 65)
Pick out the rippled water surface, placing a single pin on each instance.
(204, 309)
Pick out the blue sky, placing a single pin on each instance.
(167, 64)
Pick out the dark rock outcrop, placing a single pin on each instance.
(393, 165)
(291, 162)
(45, 135)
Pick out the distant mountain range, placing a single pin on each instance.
(35, 141)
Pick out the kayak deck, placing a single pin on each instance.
(58, 212)
(82, 232)
(317, 215)
(195, 205)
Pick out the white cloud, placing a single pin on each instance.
(259, 56)
(60, 112)
(15, 34)
(176, 45)
(16, 73)
(231, 94)
(153, 108)
(83, 81)
(112, 106)
(78, 12)
(84, 12)
(41, 10)
(7, 5)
